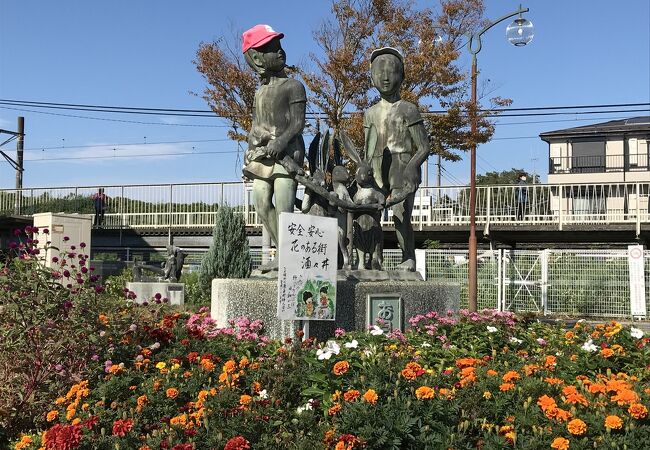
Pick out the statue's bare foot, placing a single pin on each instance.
(407, 266)
(269, 266)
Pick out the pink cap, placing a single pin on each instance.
(258, 36)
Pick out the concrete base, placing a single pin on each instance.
(257, 299)
(145, 291)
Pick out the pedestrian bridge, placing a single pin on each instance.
(193, 206)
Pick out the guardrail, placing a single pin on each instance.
(194, 205)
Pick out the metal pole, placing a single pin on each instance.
(472, 269)
(20, 142)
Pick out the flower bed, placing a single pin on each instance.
(469, 381)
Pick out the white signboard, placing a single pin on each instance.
(307, 267)
(637, 280)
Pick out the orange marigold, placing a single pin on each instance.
(208, 365)
(341, 368)
(510, 375)
(560, 443)
(336, 407)
(577, 427)
(506, 387)
(638, 411)
(625, 397)
(171, 393)
(371, 396)
(245, 399)
(607, 352)
(550, 362)
(52, 415)
(229, 366)
(613, 422)
(595, 388)
(351, 395)
(424, 393)
(552, 380)
(466, 362)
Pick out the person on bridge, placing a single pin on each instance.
(522, 196)
(100, 202)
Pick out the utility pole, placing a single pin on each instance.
(20, 145)
(439, 172)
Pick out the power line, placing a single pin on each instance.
(75, 158)
(125, 144)
(116, 120)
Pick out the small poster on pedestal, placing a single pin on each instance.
(307, 267)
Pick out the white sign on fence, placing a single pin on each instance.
(307, 267)
(637, 280)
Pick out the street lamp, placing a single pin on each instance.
(519, 33)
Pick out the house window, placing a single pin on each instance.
(588, 156)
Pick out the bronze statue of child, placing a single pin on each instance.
(275, 145)
(402, 145)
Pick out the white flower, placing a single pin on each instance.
(263, 394)
(353, 344)
(331, 348)
(307, 407)
(425, 344)
(514, 340)
(492, 329)
(323, 354)
(636, 333)
(589, 346)
(376, 331)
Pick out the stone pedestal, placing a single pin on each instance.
(145, 291)
(257, 299)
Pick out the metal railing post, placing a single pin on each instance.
(560, 205)
(638, 211)
(487, 210)
(121, 209)
(544, 281)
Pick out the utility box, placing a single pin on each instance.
(76, 227)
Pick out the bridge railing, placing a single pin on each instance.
(195, 204)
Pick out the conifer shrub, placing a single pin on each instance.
(229, 255)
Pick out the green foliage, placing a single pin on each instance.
(504, 177)
(431, 244)
(194, 294)
(229, 255)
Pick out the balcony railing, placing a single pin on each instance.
(598, 163)
(195, 205)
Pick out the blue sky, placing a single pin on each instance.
(139, 53)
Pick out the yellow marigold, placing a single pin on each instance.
(340, 368)
(607, 352)
(229, 366)
(24, 442)
(245, 399)
(424, 393)
(577, 427)
(171, 393)
(491, 373)
(613, 328)
(511, 375)
(638, 411)
(60, 401)
(336, 407)
(76, 421)
(52, 415)
(371, 396)
(351, 395)
(504, 387)
(613, 422)
(560, 443)
(70, 413)
(487, 395)
(161, 365)
(336, 395)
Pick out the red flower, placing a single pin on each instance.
(121, 427)
(91, 422)
(63, 437)
(237, 443)
(183, 447)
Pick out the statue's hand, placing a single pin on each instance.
(273, 149)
